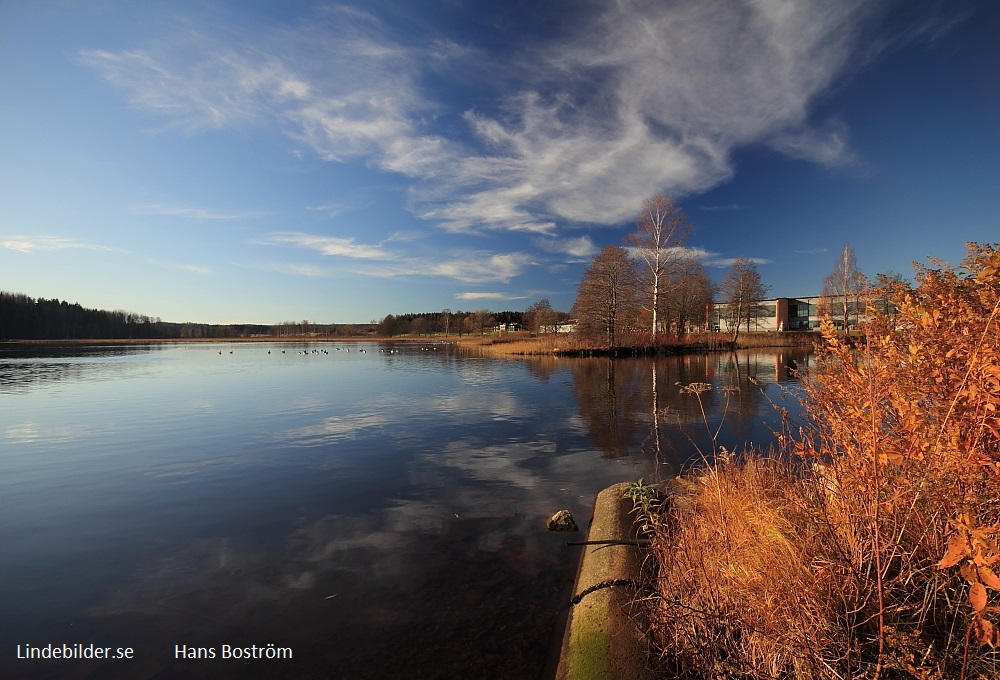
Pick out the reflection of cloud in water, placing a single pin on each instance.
(497, 405)
(32, 433)
(480, 373)
(461, 550)
(496, 463)
(473, 499)
(470, 499)
(333, 429)
(387, 411)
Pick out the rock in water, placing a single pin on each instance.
(562, 521)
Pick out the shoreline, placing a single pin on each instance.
(514, 345)
(176, 341)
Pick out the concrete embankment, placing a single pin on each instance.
(605, 632)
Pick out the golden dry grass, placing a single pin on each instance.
(525, 344)
(867, 548)
(740, 588)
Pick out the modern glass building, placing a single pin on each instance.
(795, 314)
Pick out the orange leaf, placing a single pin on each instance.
(989, 578)
(985, 635)
(977, 596)
(955, 552)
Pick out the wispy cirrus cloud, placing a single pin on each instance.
(330, 245)
(296, 269)
(730, 261)
(33, 244)
(464, 265)
(489, 296)
(328, 209)
(478, 266)
(635, 97)
(713, 259)
(579, 248)
(192, 212)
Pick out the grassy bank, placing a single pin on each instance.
(524, 344)
(866, 547)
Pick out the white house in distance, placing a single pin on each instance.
(793, 314)
(568, 326)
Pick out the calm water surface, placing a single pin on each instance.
(380, 515)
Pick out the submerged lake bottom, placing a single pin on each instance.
(282, 510)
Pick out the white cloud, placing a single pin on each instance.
(581, 247)
(328, 209)
(31, 244)
(488, 296)
(638, 97)
(330, 245)
(681, 85)
(468, 266)
(713, 259)
(730, 261)
(296, 269)
(475, 267)
(192, 212)
(463, 266)
(826, 146)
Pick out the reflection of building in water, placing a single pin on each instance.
(769, 365)
(796, 314)
(787, 364)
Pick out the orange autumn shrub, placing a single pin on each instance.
(872, 552)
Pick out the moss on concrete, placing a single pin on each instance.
(604, 638)
(588, 655)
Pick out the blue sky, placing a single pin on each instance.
(266, 161)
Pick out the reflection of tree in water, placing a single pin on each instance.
(637, 405)
(678, 428)
(610, 398)
(542, 368)
(740, 371)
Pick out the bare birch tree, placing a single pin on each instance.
(844, 283)
(661, 229)
(444, 321)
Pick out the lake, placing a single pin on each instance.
(370, 510)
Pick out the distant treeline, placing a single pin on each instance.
(446, 322)
(26, 318)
